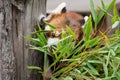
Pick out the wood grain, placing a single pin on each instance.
(17, 18)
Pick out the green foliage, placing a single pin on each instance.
(97, 17)
(51, 25)
(116, 15)
(88, 28)
(89, 59)
(34, 67)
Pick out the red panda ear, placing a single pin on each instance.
(41, 21)
(60, 9)
(63, 10)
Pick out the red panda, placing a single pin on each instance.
(60, 17)
(69, 18)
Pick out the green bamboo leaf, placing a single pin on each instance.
(38, 48)
(95, 61)
(118, 74)
(105, 12)
(93, 42)
(115, 12)
(105, 69)
(114, 66)
(89, 71)
(67, 78)
(62, 70)
(103, 4)
(53, 78)
(34, 40)
(112, 52)
(92, 69)
(42, 39)
(70, 32)
(41, 36)
(117, 32)
(50, 25)
(99, 79)
(42, 31)
(41, 49)
(88, 28)
(64, 34)
(117, 50)
(94, 13)
(117, 59)
(34, 68)
(102, 13)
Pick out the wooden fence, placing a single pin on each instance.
(17, 19)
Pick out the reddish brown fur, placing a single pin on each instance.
(70, 19)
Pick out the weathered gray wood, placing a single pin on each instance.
(33, 9)
(7, 58)
(17, 19)
(1, 24)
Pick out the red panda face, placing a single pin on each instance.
(70, 19)
(61, 18)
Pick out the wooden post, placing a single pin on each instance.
(17, 19)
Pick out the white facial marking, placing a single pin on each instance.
(115, 24)
(59, 8)
(57, 33)
(48, 17)
(45, 18)
(47, 28)
(85, 18)
(41, 16)
(52, 41)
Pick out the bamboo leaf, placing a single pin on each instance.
(64, 34)
(50, 25)
(92, 69)
(42, 31)
(41, 49)
(105, 70)
(41, 36)
(88, 28)
(34, 68)
(102, 13)
(67, 78)
(94, 13)
(103, 4)
(118, 74)
(115, 12)
(70, 32)
(35, 41)
(93, 42)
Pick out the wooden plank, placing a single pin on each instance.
(8, 68)
(18, 41)
(33, 9)
(1, 25)
(17, 19)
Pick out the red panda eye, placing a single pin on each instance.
(47, 34)
(81, 21)
(53, 34)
